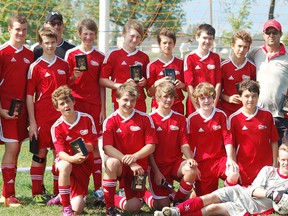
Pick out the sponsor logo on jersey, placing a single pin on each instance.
(231, 78)
(47, 74)
(216, 127)
(135, 128)
(262, 127)
(68, 138)
(245, 77)
(123, 63)
(61, 71)
(159, 129)
(84, 132)
(13, 60)
(118, 130)
(197, 67)
(173, 127)
(211, 67)
(26, 60)
(94, 63)
(201, 130)
(244, 128)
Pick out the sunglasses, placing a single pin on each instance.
(271, 32)
(59, 23)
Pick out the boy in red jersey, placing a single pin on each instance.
(45, 75)
(128, 139)
(211, 142)
(155, 70)
(166, 162)
(202, 65)
(14, 63)
(74, 169)
(254, 134)
(116, 66)
(234, 70)
(92, 98)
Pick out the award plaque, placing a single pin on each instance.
(136, 72)
(170, 72)
(81, 62)
(167, 185)
(16, 107)
(78, 146)
(284, 104)
(34, 145)
(139, 182)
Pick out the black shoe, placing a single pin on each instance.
(112, 211)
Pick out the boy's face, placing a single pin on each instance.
(206, 102)
(87, 36)
(166, 45)
(205, 41)
(249, 100)
(240, 49)
(131, 39)
(18, 32)
(66, 107)
(283, 162)
(165, 101)
(126, 104)
(49, 45)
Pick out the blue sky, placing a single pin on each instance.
(198, 11)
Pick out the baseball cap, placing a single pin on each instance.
(52, 15)
(273, 23)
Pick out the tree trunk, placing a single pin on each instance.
(271, 9)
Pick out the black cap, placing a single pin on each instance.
(52, 15)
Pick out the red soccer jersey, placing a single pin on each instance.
(197, 69)
(252, 137)
(131, 134)
(171, 135)
(117, 66)
(232, 76)
(209, 136)
(86, 87)
(155, 72)
(14, 66)
(44, 78)
(63, 133)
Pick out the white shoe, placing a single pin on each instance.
(166, 211)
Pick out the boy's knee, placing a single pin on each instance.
(78, 204)
(133, 205)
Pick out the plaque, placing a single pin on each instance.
(136, 72)
(139, 182)
(170, 72)
(16, 107)
(78, 146)
(81, 62)
(284, 104)
(167, 185)
(34, 145)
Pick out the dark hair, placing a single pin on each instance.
(48, 32)
(206, 28)
(133, 24)
(17, 18)
(89, 24)
(168, 33)
(61, 93)
(250, 85)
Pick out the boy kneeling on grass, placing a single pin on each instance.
(74, 169)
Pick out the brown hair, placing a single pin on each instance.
(206, 28)
(165, 88)
(48, 32)
(87, 23)
(61, 93)
(242, 35)
(168, 33)
(203, 89)
(130, 88)
(17, 18)
(133, 24)
(250, 85)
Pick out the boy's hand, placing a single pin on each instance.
(77, 73)
(33, 131)
(137, 169)
(78, 158)
(142, 82)
(192, 163)
(128, 159)
(5, 114)
(158, 177)
(235, 99)
(179, 85)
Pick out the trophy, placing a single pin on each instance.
(136, 72)
(139, 182)
(78, 146)
(170, 72)
(81, 62)
(16, 107)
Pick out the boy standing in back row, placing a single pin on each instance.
(14, 63)
(202, 65)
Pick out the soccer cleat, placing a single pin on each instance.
(54, 201)
(99, 201)
(112, 211)
(40, 199)
(2, 199)
(12, 202)
(67, 211)
(166, 211)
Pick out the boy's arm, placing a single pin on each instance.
(158, 176)
(113, 152)
(186, 150)
(275, 153)
(231, 156)
(218, 92)
(142, 153)
(33, 124)
(106, 82)
(76, 159)
(190, 91)
(235, 99)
